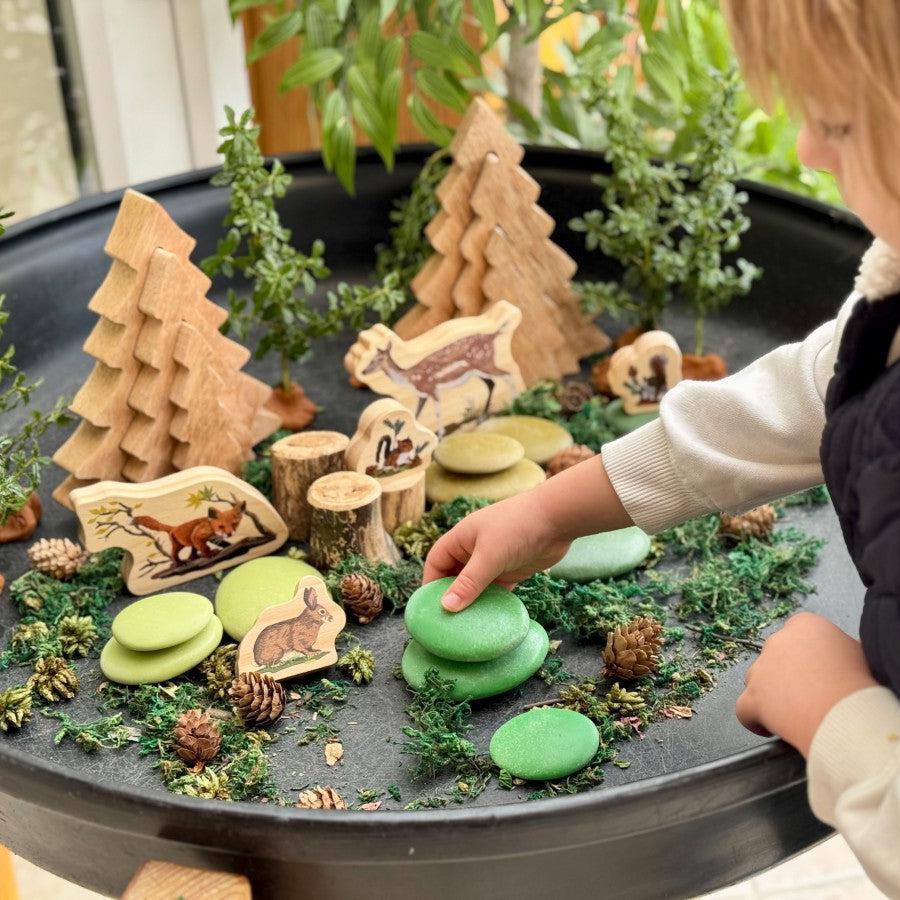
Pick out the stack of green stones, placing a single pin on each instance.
(489, 648)
(500, 458)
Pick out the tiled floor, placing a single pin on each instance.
(827, 872)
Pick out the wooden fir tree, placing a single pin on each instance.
(490, 227)
(137, 415)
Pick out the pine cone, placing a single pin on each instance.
(621, 702)
(218, 668)
(15, 707)
(632, 650)
(569, 457)
(54, 679)
(321, 798)
(257, 699)
(363, 597)
(573, 396)
(757, 523)
(197, 738)
(77, 635)
(57, 557)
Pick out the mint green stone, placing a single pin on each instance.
(478, 452)
(475, 680)
(493, 625)
(603, 555)
(545, 743)
(163, 620)
(621, 422)
(126, 666)
(541, 438)
(254, 586)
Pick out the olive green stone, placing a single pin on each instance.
(603, 555)
(478, 452)
(623, 423)
(545, 743)
(442, 486)
(493, 625)
(126, 666)
(161, 621)
(254, 586)
(541, 438)
(474, 680)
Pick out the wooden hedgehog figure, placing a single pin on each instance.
(298, 634)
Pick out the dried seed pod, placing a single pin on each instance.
(257, 698)
(573, 396)
(569, 457)
(53, 679)
(757, 523)
(362, 596)
(321, 798)
(197, 739)
(57, 557)
(632, 650)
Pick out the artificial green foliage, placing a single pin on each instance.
(358, 664)
(21, 460)
(28, 642)
(541, 400)
(320, 732)
(814, 496)
(396, 582)
(258, 471)
(219, 670)
(323, 697)
(105, 733)
(283, 279)
(15, 707)
(415, 539)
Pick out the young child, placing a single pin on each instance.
(829, 405)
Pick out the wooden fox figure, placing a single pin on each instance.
(196, 533)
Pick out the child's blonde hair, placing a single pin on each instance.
(831, 60)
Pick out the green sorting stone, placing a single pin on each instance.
(126, 666)
(603, 555)
(162, 620)
(478, 453)
(545, 743)
(472, 681)
(493, 625)
(541, 438)
(621, 422)
(442, 486)
(254, 586)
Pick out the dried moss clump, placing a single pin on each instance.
(15, 707)
(53, 679)
(219, 670)
(77, 635)
(358, 664)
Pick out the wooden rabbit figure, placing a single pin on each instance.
(298, 634)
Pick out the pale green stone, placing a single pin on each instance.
(603, 555)
(126, 666)
(623, 423)
(254, 586)
(478, 452)
(545, 743)
(493, 625)
(541, 438)
(442, 486)
(163, 620)
(474, 680)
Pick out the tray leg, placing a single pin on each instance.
(156, 880)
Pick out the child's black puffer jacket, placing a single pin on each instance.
(861, 460)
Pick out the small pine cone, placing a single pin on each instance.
(757, 523)
(57, 557)
(257, 699)
(197, 738)
(54, 679)
(77, 635)
(321, 798)
(15, 707)
(218, 669)
(573, 396)
(569, 457)
(632, 650)
(363, 597)
(621, 702)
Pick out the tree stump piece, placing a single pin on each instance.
(403, 503)
(297, 461)
(346, 518)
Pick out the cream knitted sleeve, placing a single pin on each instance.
(731, 444)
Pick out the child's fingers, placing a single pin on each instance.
(745, 709)
(445, 558)
(475, 576)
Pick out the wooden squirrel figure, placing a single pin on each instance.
(197, 533)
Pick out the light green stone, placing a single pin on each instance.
(493, 625)
(442, 486)
(254, 586)
(623, 423)
(475, 680)
(163, 620)
(545, 743)
(541, 438)
(126, 666)
(478, 452)
(603, 555)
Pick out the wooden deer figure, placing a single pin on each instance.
(445, 365)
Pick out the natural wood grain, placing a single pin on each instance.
(165, 881)
(643, 372)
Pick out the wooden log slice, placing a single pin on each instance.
(403, 504)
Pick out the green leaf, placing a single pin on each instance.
(386, 8)
(661, 76)
(389, 56)
(424, 119)
(647, 15)
(319, 31)
(278, 31)
(341, 8)
(487, 19)
(312, 67)
(436, 85)
(236, 7)
(369, 39)
(435, 52)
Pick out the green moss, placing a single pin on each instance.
(358, 665)
(415, 539)
(106, 733)
(258, 472)
(396, 582)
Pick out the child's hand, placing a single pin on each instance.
(804, 669)
(505, 542)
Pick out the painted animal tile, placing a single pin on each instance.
(459, 370)
(643, 372)
(296, 637)
(390, 445)
(180, 527)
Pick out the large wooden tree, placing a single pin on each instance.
(131, 422)
(492, 242)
